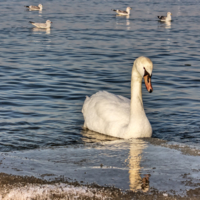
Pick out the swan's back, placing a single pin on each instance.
(105, 112)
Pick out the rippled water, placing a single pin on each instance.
(45, 75)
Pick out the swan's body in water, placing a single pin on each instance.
(117, 116)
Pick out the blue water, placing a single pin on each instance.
(45, 75)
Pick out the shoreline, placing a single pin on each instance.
(34, 188)
(119, 169)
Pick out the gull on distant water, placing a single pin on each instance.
(123, 12)
(42, 25)
(39, 7)
(163, 18)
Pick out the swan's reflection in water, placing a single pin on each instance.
(47, 30)
(136, 181)
(93, 137)
(133, 159)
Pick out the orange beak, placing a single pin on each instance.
(147, 80)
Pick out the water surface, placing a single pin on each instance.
(45, 75)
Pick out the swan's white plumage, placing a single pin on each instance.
(112, 115)
(104, 111)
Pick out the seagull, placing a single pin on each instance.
(39, 7)
(163, 18)
(42, 25)
(123, 12)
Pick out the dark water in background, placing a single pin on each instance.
(45, 75)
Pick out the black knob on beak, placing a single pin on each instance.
(150, 91)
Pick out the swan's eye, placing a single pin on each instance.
(147, 73)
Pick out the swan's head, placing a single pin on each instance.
(128, 9)
(145, 67)
(40, 6)
(169, 14)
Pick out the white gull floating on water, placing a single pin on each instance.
(123, 12)
(42, 25)
(164, 18)
(39, 7)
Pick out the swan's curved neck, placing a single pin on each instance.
(136, 93)
(139, 125)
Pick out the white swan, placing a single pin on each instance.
(116, 115)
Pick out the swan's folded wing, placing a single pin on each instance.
(114, 108)
(106, 107)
